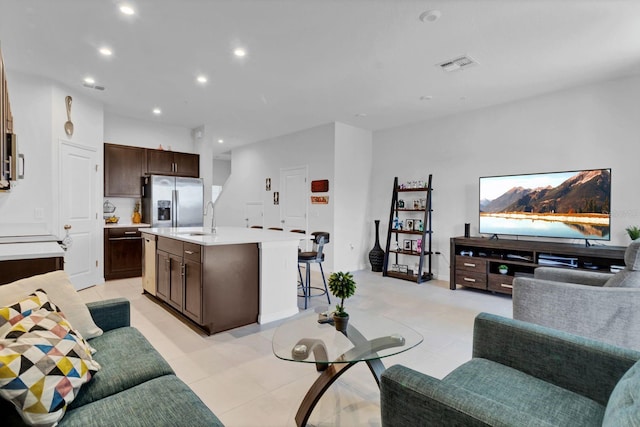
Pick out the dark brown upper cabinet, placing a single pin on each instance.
(123, 168)
(171, 163)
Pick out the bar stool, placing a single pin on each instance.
(320, 238)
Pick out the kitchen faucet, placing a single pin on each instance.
(213, 223)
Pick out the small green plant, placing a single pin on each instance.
(633, 232)
(342, 286)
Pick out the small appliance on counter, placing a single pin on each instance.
(108, 209)
(172, 201)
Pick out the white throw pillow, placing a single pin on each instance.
(61, 292)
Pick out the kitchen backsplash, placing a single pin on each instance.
(124, 208)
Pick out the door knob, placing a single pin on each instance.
(67, 227)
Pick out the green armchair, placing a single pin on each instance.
(521, 374)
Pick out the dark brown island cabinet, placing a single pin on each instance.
(216, 287)
(122, 253)
(492, 264)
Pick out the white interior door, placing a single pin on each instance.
(78, 172)
(254, 213)
(293, 198)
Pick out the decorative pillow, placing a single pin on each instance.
(43, 360)
(60, 290)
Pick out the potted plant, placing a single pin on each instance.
(633, 232)
(503, 269)
(341, 286)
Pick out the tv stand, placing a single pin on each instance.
(521, 257)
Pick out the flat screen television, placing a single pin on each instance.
(572, 205)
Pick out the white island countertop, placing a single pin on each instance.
(223, 235)
(30, 250)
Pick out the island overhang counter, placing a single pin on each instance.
(233, 277)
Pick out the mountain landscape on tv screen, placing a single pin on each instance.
(584, 192)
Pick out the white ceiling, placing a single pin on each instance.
(311, 62)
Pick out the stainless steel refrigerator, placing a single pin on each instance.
(172, 201)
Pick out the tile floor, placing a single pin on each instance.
(236, 374)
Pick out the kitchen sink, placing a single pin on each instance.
(199, 233)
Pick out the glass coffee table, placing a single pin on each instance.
(368, 338)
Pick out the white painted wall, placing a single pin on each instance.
(252, 164)
(31, 101)
(221, 171)
(39, 111)
(147, 134)
(353, 230)
(593, 126)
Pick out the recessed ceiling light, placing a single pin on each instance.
(426, 98)
(220, 141)
(89, 80)
(361, 115)
(105, 51)
(157, 111)
(430, 16)
(126, 9)
(201, 79)
(240, 52)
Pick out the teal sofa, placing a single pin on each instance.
(134, 387)
(521, 374)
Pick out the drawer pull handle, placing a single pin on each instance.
(504, 285)
(468, 264)
(467, 279)
(130, 232)
(188, 252)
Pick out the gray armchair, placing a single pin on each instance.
(601, 306)
(521, 375)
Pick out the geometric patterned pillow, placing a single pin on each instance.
(43, 360)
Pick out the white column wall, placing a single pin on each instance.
(353, 232)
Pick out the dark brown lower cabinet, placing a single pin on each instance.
(122, 253)
(217, 287)
(16, 269)
(163, 277)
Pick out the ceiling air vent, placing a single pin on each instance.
(90, 86)
(459, 63)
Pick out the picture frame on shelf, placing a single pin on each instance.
(400, 203)
(406, 245)
(417, 225)
(395, 267)
(414, 246)
(403, 268)
(408, 224)
(416, 203)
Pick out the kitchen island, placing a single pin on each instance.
(234, 277)
(26, 257)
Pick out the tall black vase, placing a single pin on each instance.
(376, 255)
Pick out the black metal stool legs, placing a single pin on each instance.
(326, 291)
